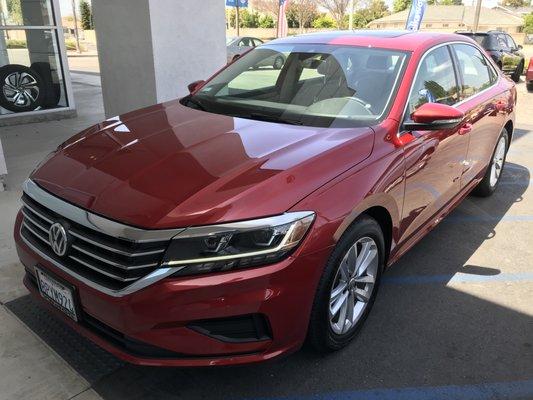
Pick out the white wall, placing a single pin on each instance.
(149, 50)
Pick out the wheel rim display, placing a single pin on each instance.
(353, 285)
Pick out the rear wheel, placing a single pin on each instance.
(518, 71)
(348, 286)
(488, 184)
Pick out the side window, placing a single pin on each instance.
(435, 82)
(245, 42)
(474, 68)
(502, 42)
(257, 42)
(511, 42)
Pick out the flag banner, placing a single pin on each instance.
(233, 3)
(418, 8)
(283, 25)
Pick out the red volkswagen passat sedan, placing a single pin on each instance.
(262, 209)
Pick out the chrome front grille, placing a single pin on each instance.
(110, 262)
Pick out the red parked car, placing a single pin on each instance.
(262, 209)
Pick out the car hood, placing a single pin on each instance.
(171, 166)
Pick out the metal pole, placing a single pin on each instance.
(350, 18)
(76, 33)
(476, 16)
(237, 23)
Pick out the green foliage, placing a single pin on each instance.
(249, 19)
(400, 5)
(515, 3)
(86, 15)
(376, 9)
(266, 21)
(14, 12)
(16, 44)
(528, 23)
(323, 21)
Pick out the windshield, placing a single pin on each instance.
(229, 40)
(305, 84)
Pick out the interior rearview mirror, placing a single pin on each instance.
(195, 85)
(433, 116)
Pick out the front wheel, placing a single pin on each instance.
(488, 184)
(348, 286)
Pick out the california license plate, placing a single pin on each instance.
(57, 293)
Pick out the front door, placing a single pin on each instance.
(434, 159)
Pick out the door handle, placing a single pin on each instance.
(466, 128)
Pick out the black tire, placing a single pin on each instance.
(485, 188)
(529, 86)
(518, 72)
(52, 93)
(32, 81)
(278, 62)
(320, 334)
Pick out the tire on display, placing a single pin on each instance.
(348, 286)
(21, 88)
(490, 181)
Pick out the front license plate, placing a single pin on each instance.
(60, 295)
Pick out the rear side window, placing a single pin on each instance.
(435, 81)
(474, 68)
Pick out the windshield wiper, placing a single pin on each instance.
(270, 118)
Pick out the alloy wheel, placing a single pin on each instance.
(497, 162)
(21, 89)
(353, 285)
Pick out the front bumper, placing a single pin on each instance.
(153, 326)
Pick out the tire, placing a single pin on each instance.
(325, 333)
(529, 86)
(488, 184)
(30, 93)
(518, 72)
(52, 93)
(278, 62)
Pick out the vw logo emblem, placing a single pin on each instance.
(58, 239)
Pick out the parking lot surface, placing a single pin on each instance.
(453, 319)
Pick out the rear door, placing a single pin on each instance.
(434, 159)
(483, 108)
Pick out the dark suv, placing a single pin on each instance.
(503, 50)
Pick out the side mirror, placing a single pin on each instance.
(195, 86)
(520, 47)
(432, 117)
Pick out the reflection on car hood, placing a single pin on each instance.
(172, 166)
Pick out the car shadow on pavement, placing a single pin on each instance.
(426, 329)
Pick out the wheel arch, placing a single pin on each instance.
(509, 126)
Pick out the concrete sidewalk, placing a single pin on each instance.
(453, 320)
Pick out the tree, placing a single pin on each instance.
(515, 3)
(86, 15)
(14, 12)
(302, 12)
(400, 5)
(248, 19)
(323, 21)
(376, 9)
(269, 7)
(266, 21)
(337, 9)
(528, 23)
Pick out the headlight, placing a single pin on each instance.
(216, 248)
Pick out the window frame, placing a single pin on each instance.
(415, 77)
(489, 65)
(459, 77)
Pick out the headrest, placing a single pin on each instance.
(378, 62)
(328, 67)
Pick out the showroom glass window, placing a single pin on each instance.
(31, 74)
(475, 69)
(435, 81)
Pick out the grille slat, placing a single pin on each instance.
(108, 261)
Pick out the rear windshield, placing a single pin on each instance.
(482, 39)
(306, 84)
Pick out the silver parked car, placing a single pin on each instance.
(236, 46)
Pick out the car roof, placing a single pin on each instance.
(391, 39)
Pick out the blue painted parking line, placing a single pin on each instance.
(489, 391)
(458, 278)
